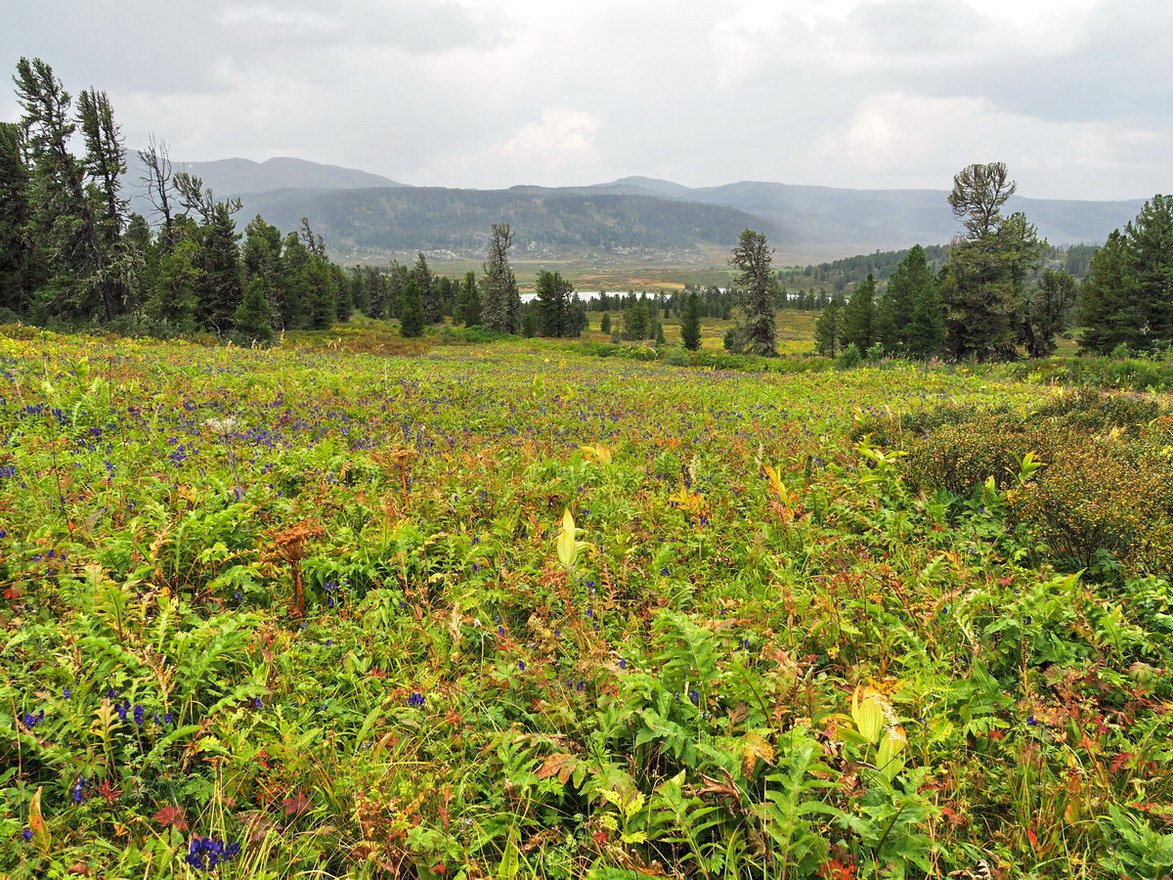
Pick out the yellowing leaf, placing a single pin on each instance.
(868, 708)
(567, 546)
(559, 764)
(754, 746)
(37, 824)
(891, 745)
(599, 454)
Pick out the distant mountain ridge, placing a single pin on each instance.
(365, 215)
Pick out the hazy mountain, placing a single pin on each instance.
(401, 220)
(362, 214)
(894, 219)
(239, 177)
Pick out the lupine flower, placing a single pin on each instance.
(521, 665)
(27, 834)
(138, 714)
(77, 790)
(695, 696)
(258, 703)
(416, 699)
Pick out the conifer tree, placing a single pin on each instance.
(989, 265)
(254, 317)
(321, 293)
(16, 255)
(501, 304)
(828, 330)
(858, 316)
(1128, 292)
(467, 310)
(554, 304)
(411, 321)
(690, 322)
(755, 284)
(926, 326)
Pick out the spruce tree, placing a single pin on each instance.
(321, 293)
(690, 322)
(254, 317)
(925, 336)
(553, 304)
(411, 321)
(827, 330)
(429, 292)
(858, 316)
(1128, 292)
(467, 310)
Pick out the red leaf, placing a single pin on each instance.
(171, 817)
(296, 804)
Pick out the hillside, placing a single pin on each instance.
(364, 215)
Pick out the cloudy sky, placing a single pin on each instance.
(1076, 96)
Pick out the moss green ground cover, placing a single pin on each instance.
(303, 613)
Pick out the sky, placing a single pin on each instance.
(1075, 96)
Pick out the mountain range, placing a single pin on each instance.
(367, 216)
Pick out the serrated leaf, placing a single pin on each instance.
(753, 747)
(560, 765)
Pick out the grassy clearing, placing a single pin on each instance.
(321, 611)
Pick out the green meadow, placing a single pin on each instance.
(355, 607)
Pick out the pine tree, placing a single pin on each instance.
(757, 333)
(501, 304)
(62, 221)
(16, 255)
(174, 295)
(218, 259)
(605, 323)
(293, 301)
(636, 321)
(690, 322)
(1046, 312)
(989, 266)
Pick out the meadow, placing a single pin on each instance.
(511, 610)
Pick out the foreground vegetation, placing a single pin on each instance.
(511, 611)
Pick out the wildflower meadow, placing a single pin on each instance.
(514, 610)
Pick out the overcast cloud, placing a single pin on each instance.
(1075, 96)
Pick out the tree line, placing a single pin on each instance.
(1001, 294)
(71, 251)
